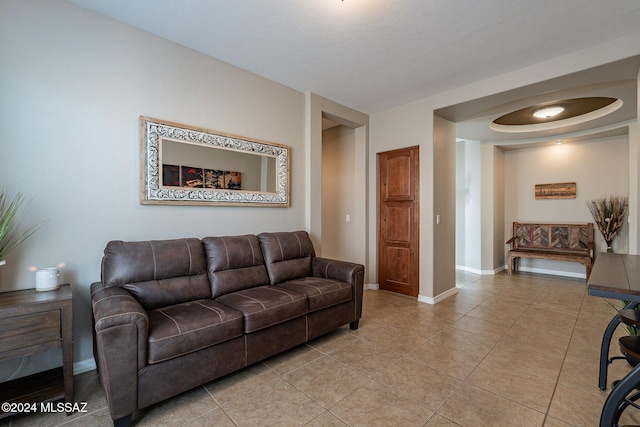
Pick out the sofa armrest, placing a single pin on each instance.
(345, 271)
(121, 329)
(337, 270)
(114, 306)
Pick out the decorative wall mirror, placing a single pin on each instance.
(186, 165)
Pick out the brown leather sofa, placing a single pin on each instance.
(170, 315)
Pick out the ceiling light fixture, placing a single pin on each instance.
(548, 112)
(576, 111)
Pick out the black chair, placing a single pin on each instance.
(625, 392)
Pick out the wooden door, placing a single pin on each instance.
(398, 221)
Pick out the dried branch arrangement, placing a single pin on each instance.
(609, 214)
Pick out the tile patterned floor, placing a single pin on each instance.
(505, 351)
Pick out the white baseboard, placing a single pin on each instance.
(438, 298)
(481, 272)
(371, 287)
(84, 366)
(551, 272)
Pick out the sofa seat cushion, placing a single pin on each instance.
(264, 306)
(320, 292)
(187, 327)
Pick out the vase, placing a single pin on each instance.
(609, 249)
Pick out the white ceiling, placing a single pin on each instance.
(372, 55)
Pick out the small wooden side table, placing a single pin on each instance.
(33, 322)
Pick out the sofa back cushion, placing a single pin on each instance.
(287, 254)
(157, 272)
(234, 263)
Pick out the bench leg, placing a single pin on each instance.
(513, 264)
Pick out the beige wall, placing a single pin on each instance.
(599, 168)
(340, 239)
(468, 205)
(499, 203)
(444, 206)
(73, 86)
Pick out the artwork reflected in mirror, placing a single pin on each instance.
(194, 166)
(193, 177)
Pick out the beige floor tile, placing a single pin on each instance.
(333, 341)
(503, 302)
(418, 382)
(485, 328)
(471, 406)
(422, 312)
(561, 299)
(326, 380)
(531, 339)
(440, 421)
(240, 383)
(293, 359)
(100, 418)
(576, 407)
(421, 328)
(585, 343)
(365, 357)
(458, 339)
(553, 304)
(523, 294)
(87, 389)
(496, 315)
(526, 359)
(443, 313)
(528, 389)
(389, 338)
(180, 409)
(326, 419)
(576, 373)
(457, 305)
(376, 405)
(548, 320)
(553, 422)
(277, 403)
(464, 278)
(217, 418)
(455, 362)
(472, 295)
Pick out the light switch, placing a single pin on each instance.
(348, 218)
(437, 219)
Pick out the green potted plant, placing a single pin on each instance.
(609, 214)
(11, 212)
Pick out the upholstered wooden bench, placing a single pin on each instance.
(559, 242)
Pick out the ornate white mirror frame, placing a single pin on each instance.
(154, 133)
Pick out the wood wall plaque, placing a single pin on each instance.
(562, 190)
